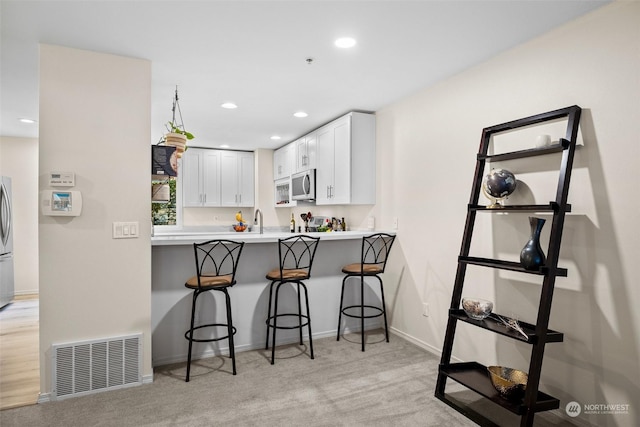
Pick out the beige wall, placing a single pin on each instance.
(95, 121)
(593, 62)
(19, 160)
(426, 154)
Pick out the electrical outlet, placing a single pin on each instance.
(425, 309)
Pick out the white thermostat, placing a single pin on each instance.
(61, 203)
(62, 179)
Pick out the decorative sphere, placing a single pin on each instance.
(499, 183)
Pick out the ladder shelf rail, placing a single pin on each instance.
(474, 375)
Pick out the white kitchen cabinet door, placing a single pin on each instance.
(283, 161)
(200, 178)
(246, 177)
(237, 179)
(211, 178)
(345, 169)
(342, 157)
(311, 141)
(191, 178)
(325, 165)
(306, 151)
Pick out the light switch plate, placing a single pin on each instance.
(125, 230)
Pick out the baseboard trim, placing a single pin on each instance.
(425, 346)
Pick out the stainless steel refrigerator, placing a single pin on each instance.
(6, 243)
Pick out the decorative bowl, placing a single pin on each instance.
(510, 383)
(476, 308)
(239, 227)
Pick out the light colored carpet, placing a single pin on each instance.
(389, 384)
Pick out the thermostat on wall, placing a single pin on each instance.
(62, 179)
(61, 203)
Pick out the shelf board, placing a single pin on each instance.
(494, 325)
(531, 152)
(475, 376)
(512, 266)
(551, 207)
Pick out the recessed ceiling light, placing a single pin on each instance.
(275, 137)
(27, 120)
(229, 105)
(345, 42)
(300, 114)
(224, 146)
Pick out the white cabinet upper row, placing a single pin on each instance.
(343, 154)
(297, 156)
(217, 178)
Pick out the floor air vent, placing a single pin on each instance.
(93, 366)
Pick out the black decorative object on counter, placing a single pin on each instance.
(532, 257)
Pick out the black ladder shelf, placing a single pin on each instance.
(474, 375)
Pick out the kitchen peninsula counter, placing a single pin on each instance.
(173, 263)
(190, 237)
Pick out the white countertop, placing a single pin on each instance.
(190, 237)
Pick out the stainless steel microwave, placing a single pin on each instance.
(303, 185)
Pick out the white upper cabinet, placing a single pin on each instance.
(306, 151)
(284, 161)
(346, 162)
(201, 178)
(237, 179)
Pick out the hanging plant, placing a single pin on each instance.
(176, 135)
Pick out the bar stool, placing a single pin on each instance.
(216, 265)
(373, 260)
(296, 258)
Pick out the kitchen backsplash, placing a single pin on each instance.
(275, 219)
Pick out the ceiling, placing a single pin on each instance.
(254, 53)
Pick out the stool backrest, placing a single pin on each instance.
(297, 253)
(375, 250)
(217, 258)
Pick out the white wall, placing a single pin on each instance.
(592, 62)
(95, 121)
(19, 160)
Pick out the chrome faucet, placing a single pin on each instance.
(255, 219)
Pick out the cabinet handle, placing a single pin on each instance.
(240, 198)
(205, 197)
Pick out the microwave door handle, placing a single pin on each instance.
(306, 181)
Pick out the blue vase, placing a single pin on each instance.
(532, 257)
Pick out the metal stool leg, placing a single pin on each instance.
(193, 317)
(232, 350)
(362, 310)
(384, 309)
(266, 346)
(299, 312)
(275, 323)
(340, 309)
(306, 297)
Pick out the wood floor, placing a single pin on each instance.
(19, 353)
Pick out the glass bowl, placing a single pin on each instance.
(477, 308)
